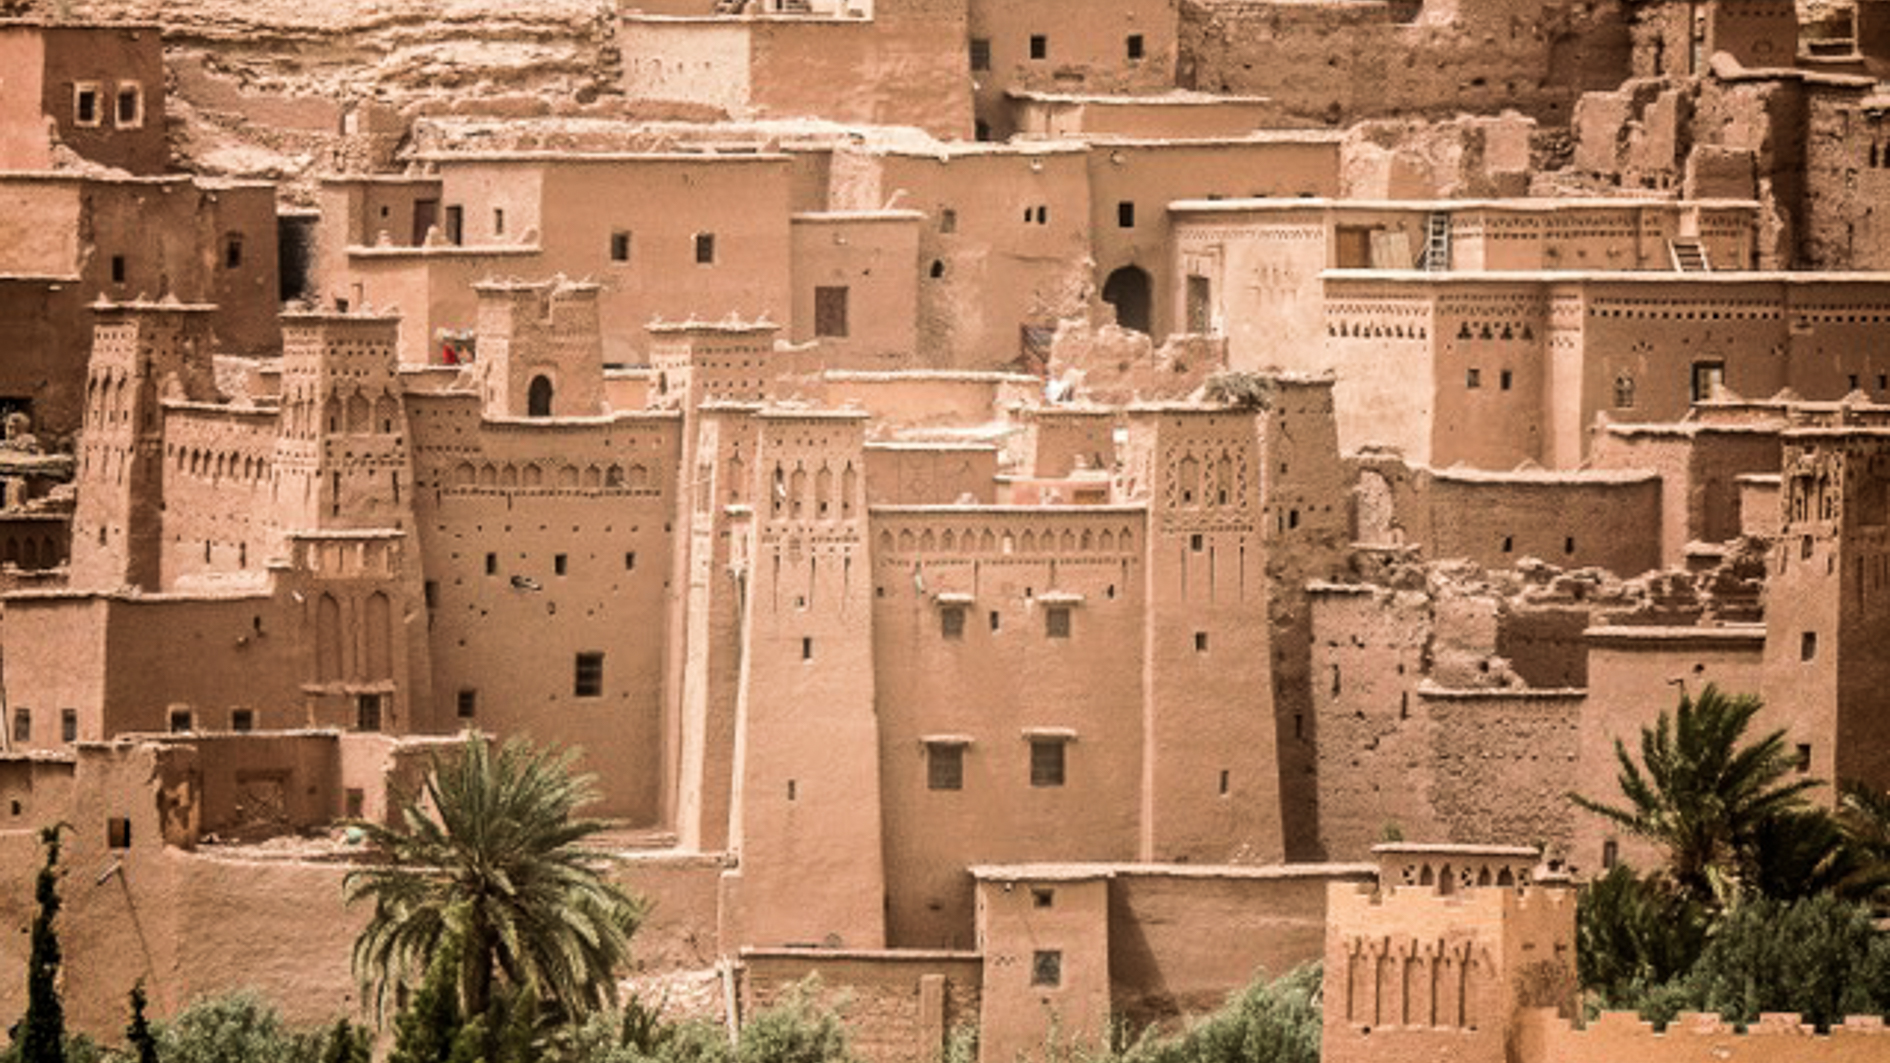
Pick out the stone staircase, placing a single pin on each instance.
(1688, 256)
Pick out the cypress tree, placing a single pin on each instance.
(138, 1033)
(42, 1033)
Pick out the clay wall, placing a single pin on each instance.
(1365, 60)
(1758, 505)
(1634, 674)
(1368, 324)
(1757, 33)
(1693, 1038)
(1069, 46)
(1285, 249)
(1060, 440)
(934, 474)
(218, 490)
(34, 542)
(1576, 520)
(991, 268)
(34, 789)
(369, 212)
(431, 289)
(898, 69)
(1502, 763)
(51, 336)
(1134, 182)
(1489, 386)
(561, 528)
(252, 787)
(1700, 470)
(928, 399)
(115, 59)
(238, 246)
(996, 683)
(899, 1007)
(170, 653)
(1054, 117)
(56, 654)
(694, 60)
(1044, 933)
(1832, 330)
(873, 261)
(24, 144)
(1182, 938)
(41, 224)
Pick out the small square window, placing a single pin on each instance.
(1056, 622)
(980, 53)
(1197, 542)
(1046, 968)
(129, 113)
(118, 833)
(1125, 214)
(1042, 897)
(588, 677)
(242, 720)
(830, 311)
(1039, 46)
(85, 104)
(705, 249)
(467, 704)
(1046, 762)
(559, 564)
(181, 722)
(368, 709)
(620, 247)
(630, 561)
(947, 220)
(1134, 46)
(1808, 646)
(1473, 378)
(68, 725)
(1803, 763)
(1200, 642)
(944, 766)
(951, 622)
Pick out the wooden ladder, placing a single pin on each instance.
(1437, 243)
(1688, 256)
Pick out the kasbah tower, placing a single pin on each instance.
(1031, 510)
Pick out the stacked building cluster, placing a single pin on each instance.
(1013, 502)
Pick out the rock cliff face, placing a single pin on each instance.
(290, 90)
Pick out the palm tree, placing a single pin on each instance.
(1863, 814)
(1703, 797)
(488, 853)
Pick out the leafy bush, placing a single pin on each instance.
(1268, 1022)
(1820, 956)
(797, 1029)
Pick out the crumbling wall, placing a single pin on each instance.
(1502, 763)
(1467, 157)
(1339, 62)
(898, 1006)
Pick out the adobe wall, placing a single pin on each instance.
(1604, 520)
(46, 361)
(1044, 933)
(34, 542)
(1694, 1038)
(991, 269)
(1634, 674)
(920, 474)
(1356, 61)
(219, 465)
(1365, 325)
(24, 144)
(1503, 763)
(500, 507)
(41, 222)
(1182, 938)
(904, 69)
(112, 57)
(1700, 469)
(430, 288)
(1085, 49)
(874, 260)
(899, 1006)
(1147, 176)
(1002, 678)
(1177, 116)
(926, 398)
(188, 652)
(696, 60)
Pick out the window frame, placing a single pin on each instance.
(1049, 762)
(81, 90)
(134, 90)
(587, 674)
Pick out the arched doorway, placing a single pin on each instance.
(538, 398)
(1127, 289)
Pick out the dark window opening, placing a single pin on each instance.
(368, 709)
(630, 561)
(1200, 642)
(22, 725)
(944, 767)
(1125, 214)
(951, 622)
(1610, 854)
(1473, 378)
(1046, 762)
(1039, 46)
(468, 704)
(118, 269)
(588, 675)
(455, 225)
(1056, 622)
(492, 564)
(1808, 646)
(705, 249)
(938, 269)
(118, 833)
(1803, 762)
(180, 721)
(538, 397)
(1226, 780)
(69, 725)
(130, 105)
(980, 53)
(498, 222)
(620, 247)
(559, 564)
(1043, 898)
(356, 801)
(1505, 379)
(1134, 46)
(85, 106)
(830, 311)
(242, 720)
(1568, 545)
(1046, 967)
(233, 252)
(807, 648)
